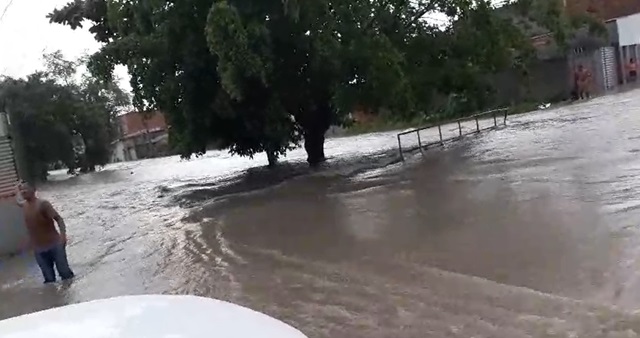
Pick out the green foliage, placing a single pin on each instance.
(262, 75)
(62, 120)
(550, 15)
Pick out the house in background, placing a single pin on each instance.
(141, 136)
(551, 79)
(622, 19)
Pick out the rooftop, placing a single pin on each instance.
(136, 123)
(606, 10)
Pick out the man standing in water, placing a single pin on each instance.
(49, 246)
(582, 78)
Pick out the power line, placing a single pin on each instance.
(6, 8)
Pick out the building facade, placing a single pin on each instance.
(141, 136)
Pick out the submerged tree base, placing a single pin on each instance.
(272, 157)
(314, 145)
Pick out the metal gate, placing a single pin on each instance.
(610, 74)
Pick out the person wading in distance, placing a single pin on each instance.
(48, 245)
(632, 69)
(583, 82)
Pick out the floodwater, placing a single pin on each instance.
(529, 231)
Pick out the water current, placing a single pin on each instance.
(528, 231)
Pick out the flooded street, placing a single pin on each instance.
(529, 231)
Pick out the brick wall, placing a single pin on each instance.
(134, 123)
(604, 9)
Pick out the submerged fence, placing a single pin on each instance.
(495, 114)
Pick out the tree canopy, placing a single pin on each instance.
(61, 118)
(263, 75)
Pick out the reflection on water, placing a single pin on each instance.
(492, 237)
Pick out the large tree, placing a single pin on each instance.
(61, 117)
(262, 75)
(37, 110)
(93, 116)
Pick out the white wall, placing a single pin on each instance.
(13, 233)
(131, 153)
(629, 30)
(118, 153)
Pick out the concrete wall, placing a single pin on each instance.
(13, 233)
(118, 152)
(548, 80)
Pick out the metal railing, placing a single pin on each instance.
(501, 112)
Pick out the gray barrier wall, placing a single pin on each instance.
(13, 235)
(12, 230)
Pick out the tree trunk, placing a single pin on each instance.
(314, 145)
(272, 157)
(315, 123)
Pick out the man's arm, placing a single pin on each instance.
(50, 212)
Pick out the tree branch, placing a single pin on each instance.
(377, 13)
(422, 12)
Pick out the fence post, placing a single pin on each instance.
(419, 140)
(495, 119)
(506, 112)
(440, 132)
(400, 148)
(459, 128)
(477, 124)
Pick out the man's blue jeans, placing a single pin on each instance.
(57, 256)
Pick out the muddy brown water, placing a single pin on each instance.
(528, 231)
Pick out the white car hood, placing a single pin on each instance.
(148, 317)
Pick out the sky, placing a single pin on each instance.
(25, 34)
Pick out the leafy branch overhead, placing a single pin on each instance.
(263, 75)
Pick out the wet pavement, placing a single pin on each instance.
(528, 231)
